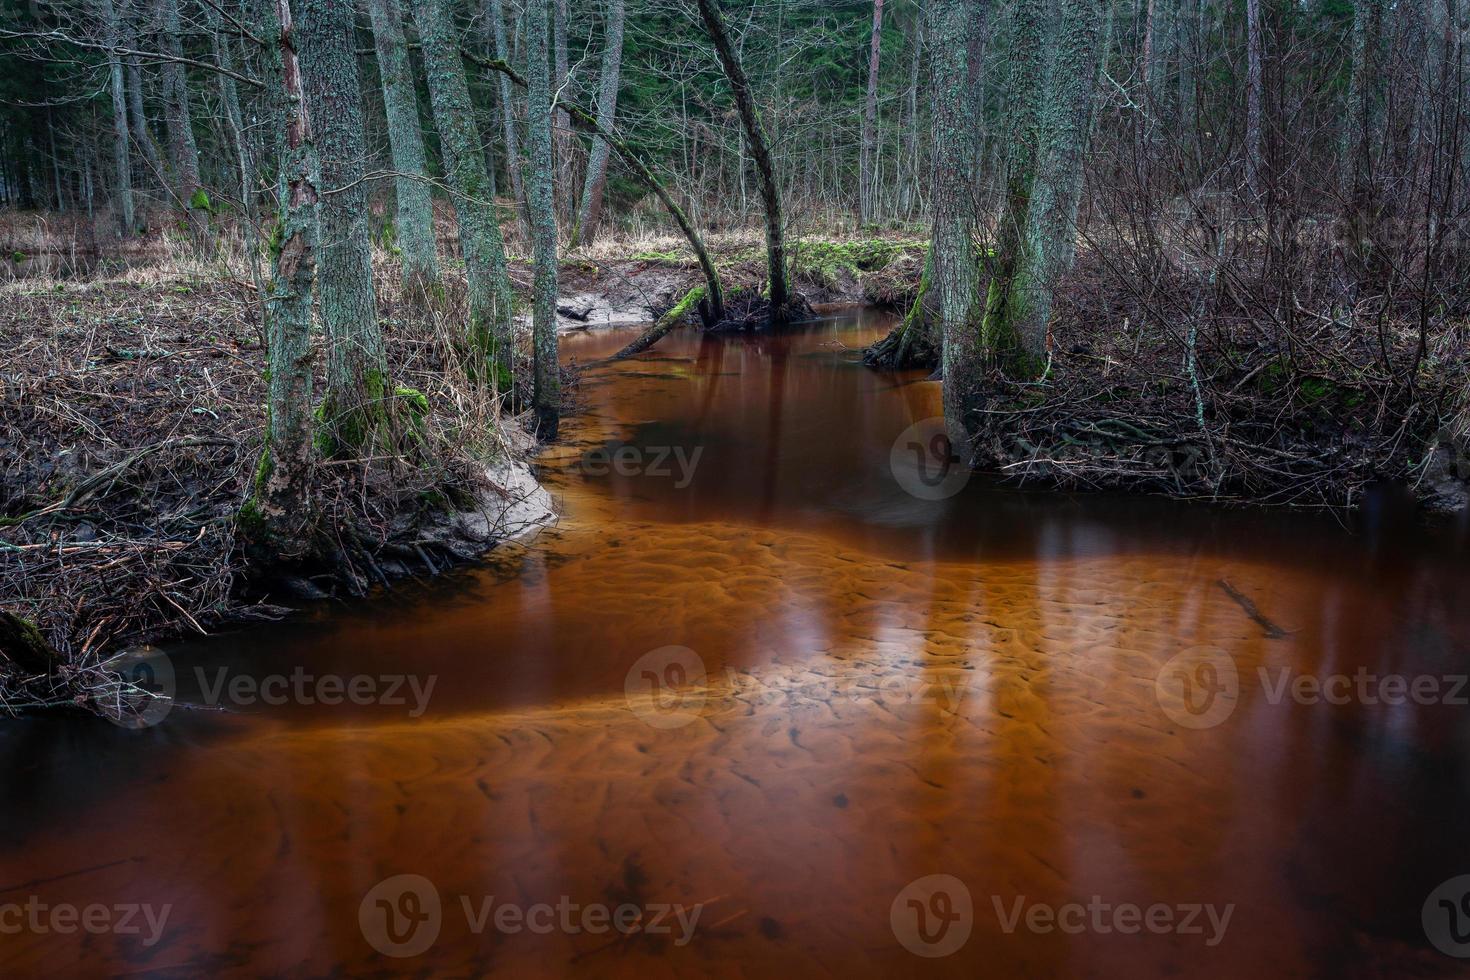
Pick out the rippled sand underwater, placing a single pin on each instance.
(833, 721)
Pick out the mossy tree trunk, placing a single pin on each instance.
(278, 514)
(1024, 91)
(589, 214)
(547, 397)
(954, 273)
(183, 151)
(489, 337)
(1050, 244)
(355, 406)
(755, 141)
(414, 224)
(123, 174)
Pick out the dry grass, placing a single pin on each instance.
(132, 407)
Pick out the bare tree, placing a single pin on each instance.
(277, 515)
(355, 407)
(780, 293)
(415, 204)
(547, 397)
(123, 173)
(473, 189)
(590, 212)
(869, 145)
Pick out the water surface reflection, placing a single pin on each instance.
(894, 688)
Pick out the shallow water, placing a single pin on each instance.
(855, 689)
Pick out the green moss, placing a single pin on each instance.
(250, 522)
(671, 257)
(200, 201)
(824, 262)
(688, 304)
(417, 401)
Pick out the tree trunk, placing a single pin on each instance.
(495, 15)
(1025, 91)
(414, 225)
(547, 398)
(954, 269)
(183, 151)
(713, 307)
(590, 213)
(564, 143)
(123, 174)
(354, 408)
(1051, 224)
(1364, 112)
(138, 120)
(869, 145)
(755, 140)
(1253, 94)
(277, 516)
(489, 340)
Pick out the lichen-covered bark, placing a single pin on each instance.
(589, 214)
(489, 337)
(1050, 242)
(123, 173)
(547, 397)
(414, 224)
(183, 152)
(277, 514)
(354, 406)
(954, 269)
(1024, 91)
(755, 140)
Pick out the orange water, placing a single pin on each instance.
(892, 689)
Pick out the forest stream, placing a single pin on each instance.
(763, 681)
